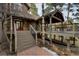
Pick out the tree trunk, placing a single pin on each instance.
(68, 11)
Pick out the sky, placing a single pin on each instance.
(38, 5)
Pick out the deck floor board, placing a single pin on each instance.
(34, 51)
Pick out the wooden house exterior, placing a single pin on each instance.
(17, 24)
(16, 18)
(21, 30)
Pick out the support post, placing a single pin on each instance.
(36, 39)
(73, 33)
(43, 22)
(50, 30)
(73, 29)
(15, 37)
(11, 29)
(68, 45)
(43, 31)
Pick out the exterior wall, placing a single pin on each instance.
(21, 25)
(24, 25)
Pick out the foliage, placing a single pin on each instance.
(33, 9)
(52, 6)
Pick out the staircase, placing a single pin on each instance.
(24, 40)
(4, 44)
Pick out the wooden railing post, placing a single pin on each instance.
(36, 39)
(50, 30)
(11, 28)
(43, 31)
(15, 32)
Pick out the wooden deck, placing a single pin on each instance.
(34, 51)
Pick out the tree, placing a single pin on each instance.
(33, 9)
(70, 9)
(76, 15)
(53, 6)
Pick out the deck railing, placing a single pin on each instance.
(5, 32)
(64, 29)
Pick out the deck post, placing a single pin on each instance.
(73, 33)
(11, 29)
(68, 45)
(43, 25)
(36, 39)
(15, 32)
(43, 31)
(50, 30)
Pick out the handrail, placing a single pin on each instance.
(31, 27)
(5, 33)
(6, 36)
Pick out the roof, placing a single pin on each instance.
(26, 4)
(26, 16)
(56, 15)
(32, 17)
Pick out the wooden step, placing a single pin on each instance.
(24, 40)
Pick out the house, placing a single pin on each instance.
(21, 29)
(16, 18)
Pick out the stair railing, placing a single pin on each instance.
(4, 27)
(33, 32)
(5, 34)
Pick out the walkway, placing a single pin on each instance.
(35, 51)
